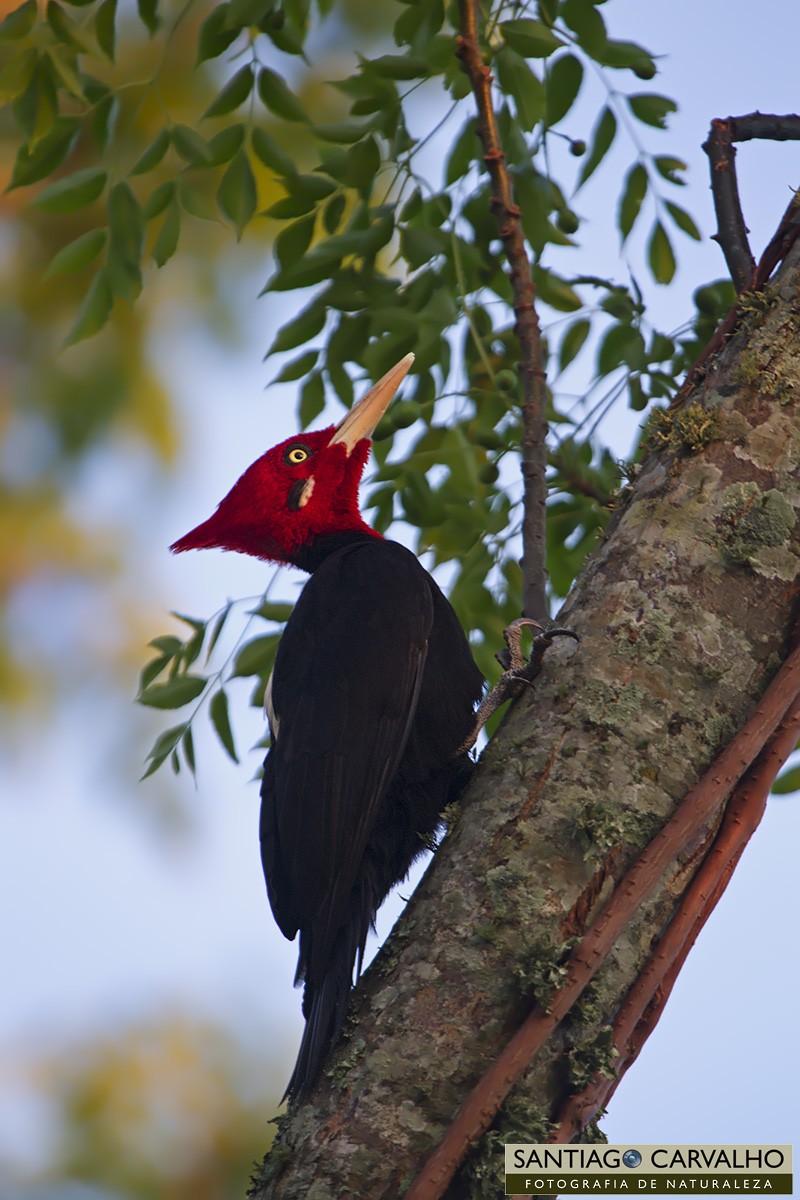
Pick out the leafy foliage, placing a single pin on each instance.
(392, 253)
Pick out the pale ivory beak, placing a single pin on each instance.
(365, 415)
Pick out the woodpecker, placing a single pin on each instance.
(371, 704)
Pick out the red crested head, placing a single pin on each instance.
(302, 490)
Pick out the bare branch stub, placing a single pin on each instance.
(754, 125)
(732, 230)
(532, 372)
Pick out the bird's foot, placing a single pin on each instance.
(517, 674)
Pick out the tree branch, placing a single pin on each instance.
(732, 231)
(480, 1108)
(642, 1008)
(532, 372)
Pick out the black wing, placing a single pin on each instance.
(344, 692)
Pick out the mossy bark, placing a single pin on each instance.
(684, 613)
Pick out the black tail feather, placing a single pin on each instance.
(325, 1007)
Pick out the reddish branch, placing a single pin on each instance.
(532, 372)
(699, 805)
(642, 1008)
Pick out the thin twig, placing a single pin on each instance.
(532, 373)
(701, 802)
(642, 1008)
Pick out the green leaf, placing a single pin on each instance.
(215, 34)
(334, 211)
(626, 54)
(194, 623)
(148, 14)
(256, 656)
(278, 98)
(234, 93)
(218, 712)
(167, 241)
(555, 291)
(293, 241)
(163, 747)
(270, 153)
(217, 628)
(274, 610)
(464, 152)
(602, 136)
(667, 167)
(247, 12)
(343, 133)
(621, 344)
(531, 39)
(572, 342)
(290, 206)
(73, 192)
(78, 254)
(660, 255)
(312, 400)
(633, 194)
(562, 85)
(19, 22)
(683, 220)
(63, 59)
(167, 643)
(311, 187)
(518, 80)
(158, 200)
(295, 333)
(105, 27)
(223, 145)
(418, 246)
(190, 146)
(103, 120)
(196, 202)
(236, 194)
(126, 227)
(15, 77)
(33, 163)
(398, 66)
(787, 782)
(66, 28)
(187, 745)
(95, 310)
(36, 109)
(175, 693)
(651, 108)
(587, 24)
(152, 155)
(152, 670)
(298, 367)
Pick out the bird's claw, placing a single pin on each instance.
(517, 673)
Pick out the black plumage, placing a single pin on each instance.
(373, 693)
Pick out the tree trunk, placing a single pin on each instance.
(684, 613)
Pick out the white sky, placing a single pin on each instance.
(102, 926)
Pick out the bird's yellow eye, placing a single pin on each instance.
(296, 454)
